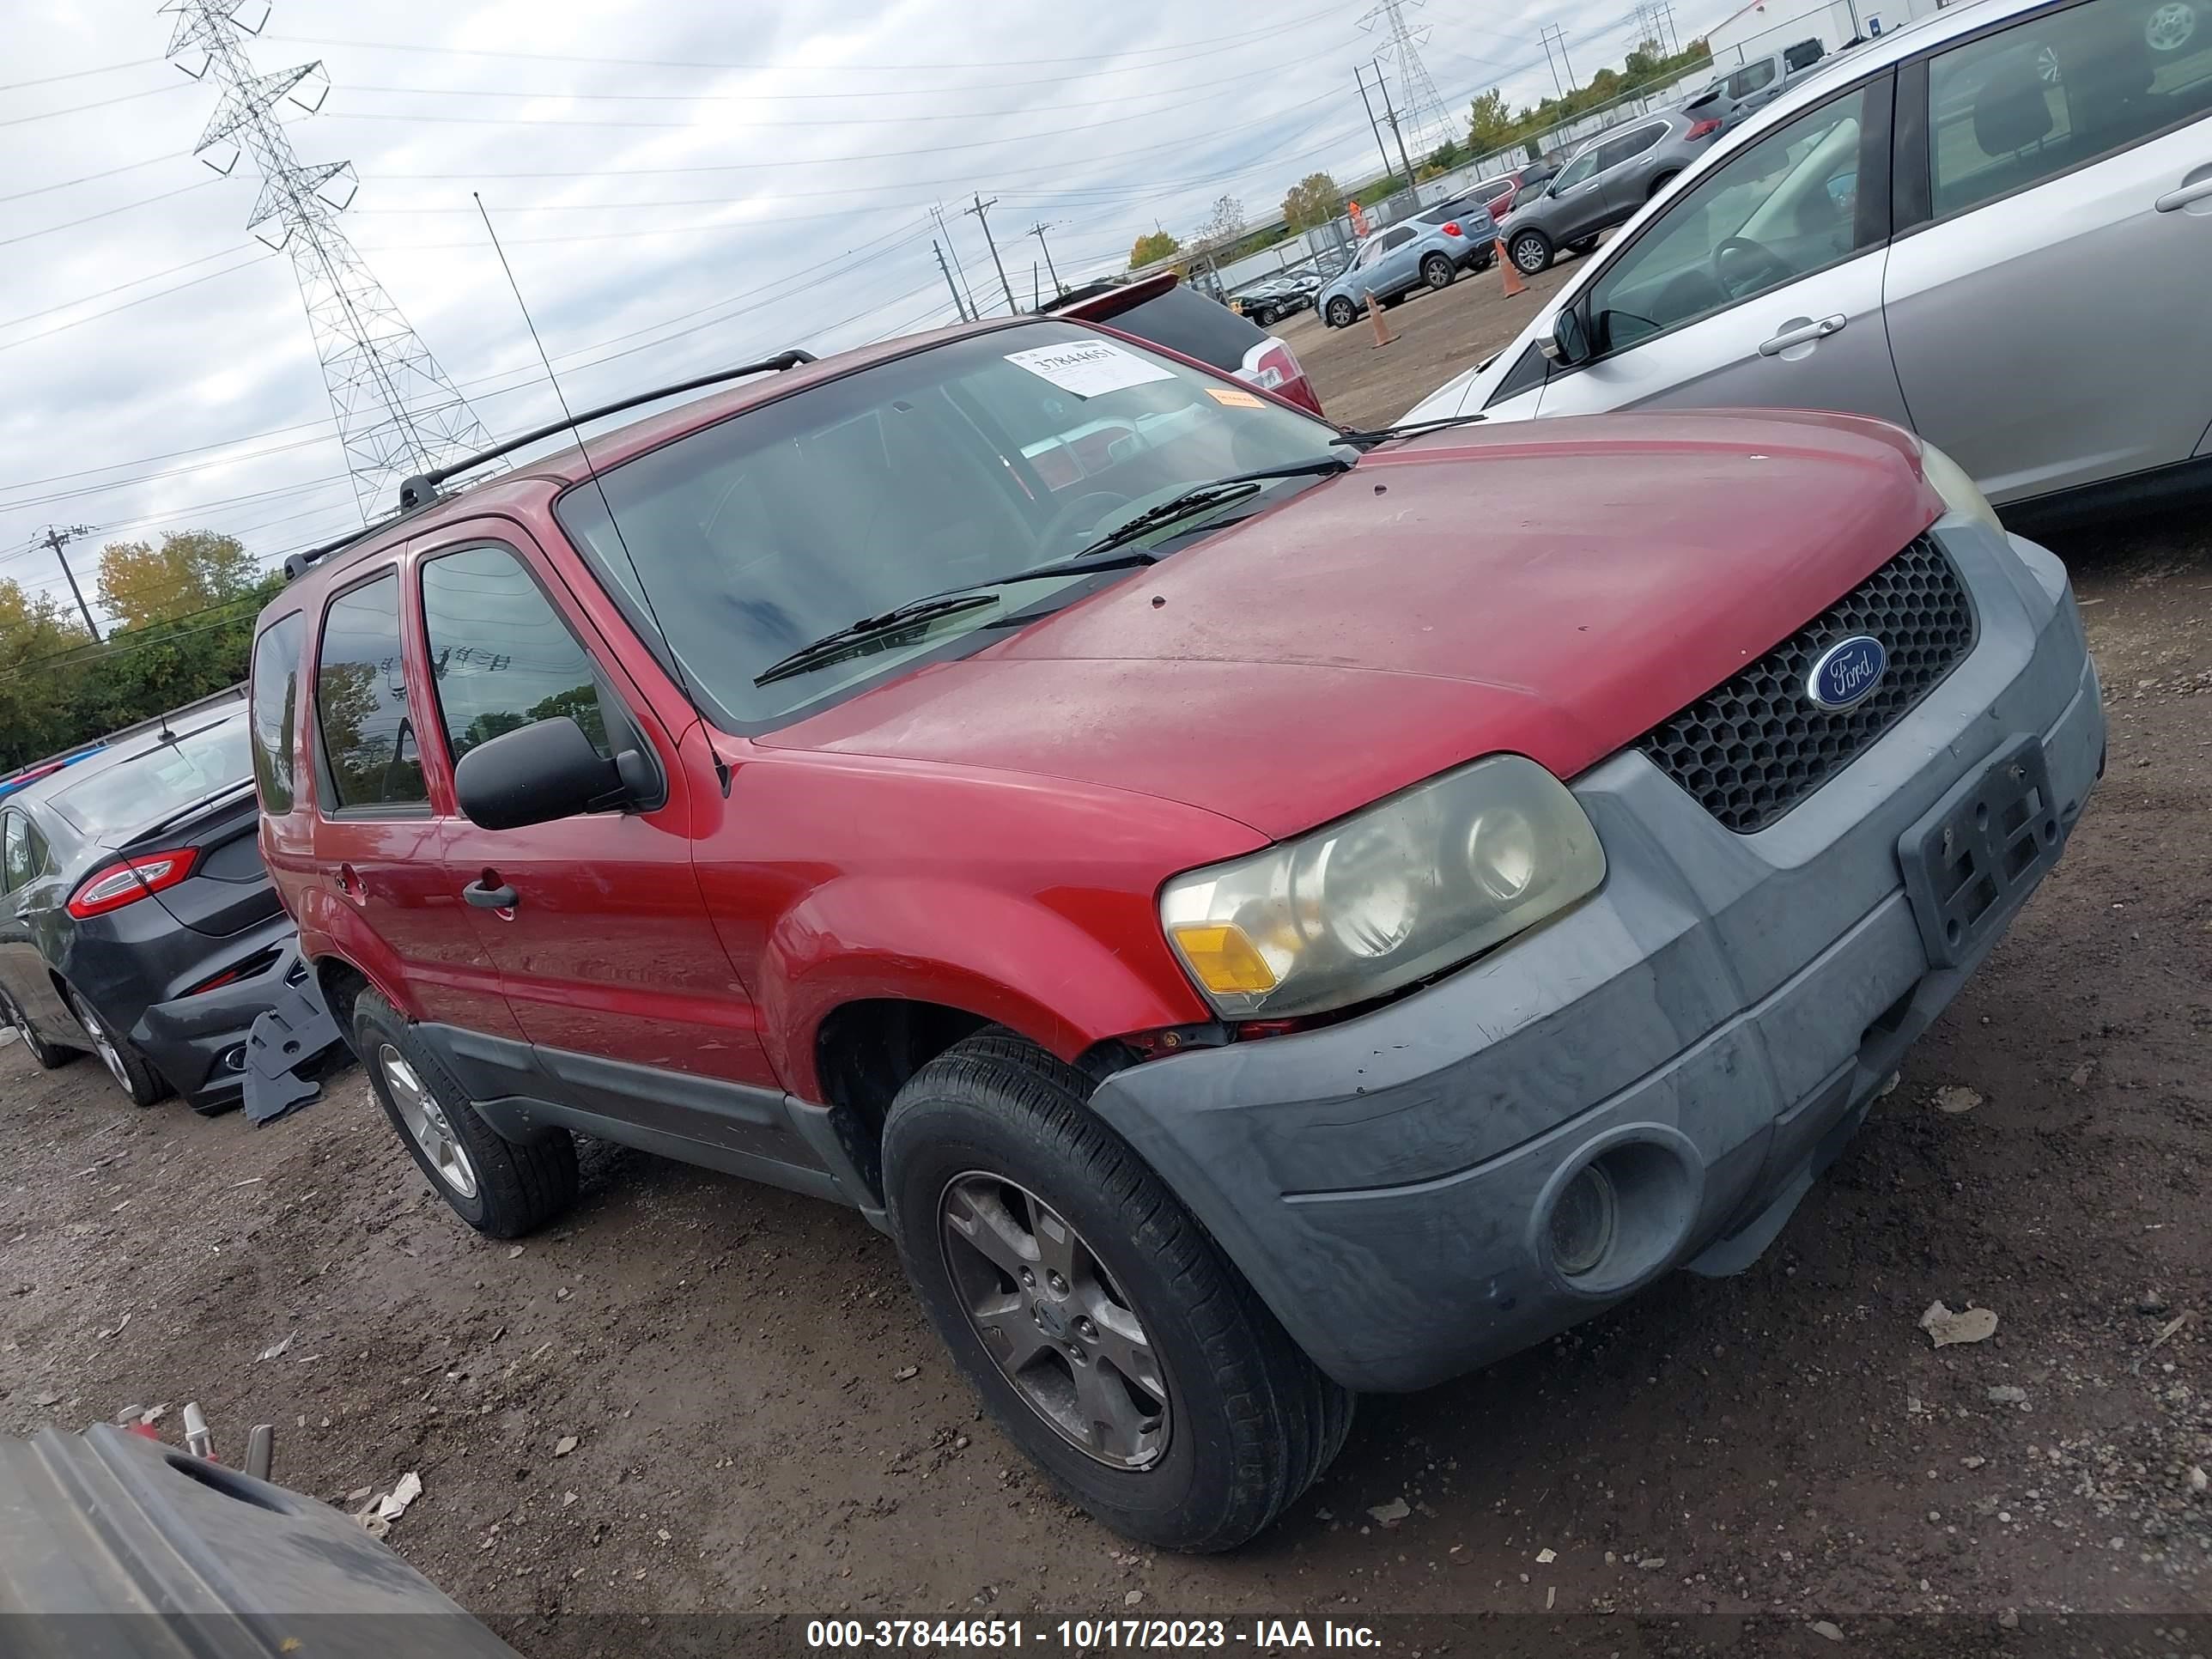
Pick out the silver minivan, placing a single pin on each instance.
(1993, 226)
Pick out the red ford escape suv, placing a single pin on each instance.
(1248, 938)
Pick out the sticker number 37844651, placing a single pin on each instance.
(1088, 369)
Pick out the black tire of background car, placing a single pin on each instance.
(1252, 1422)
(520, 1186)
(49, 1056)
(1531, 252)
(1658, 185)
(1263, 317)
(1340, 313)
(1437, 271)
(142, 1079)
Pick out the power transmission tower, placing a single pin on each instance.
(55, 537)
(1424, 108)
(983, 219)
(1552, 35)
(397, 412)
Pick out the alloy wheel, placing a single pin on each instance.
(1528, 255)
(2170, 26)
(102, 1043)
(427, 1123)
(1053, 1321)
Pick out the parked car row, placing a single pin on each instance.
(1268, 301)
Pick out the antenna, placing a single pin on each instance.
(675, 661)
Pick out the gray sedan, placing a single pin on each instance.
(1607, 180)
(1992, 226)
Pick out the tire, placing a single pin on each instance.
(50, 1056)
(1340, 313)
(1245, 1422)
(136, 1075)
(502, 1188)
(1437, 271)
(1530, 252)
(1658, 185)
(1264, 318)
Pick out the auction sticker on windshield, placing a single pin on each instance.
(1090, 369)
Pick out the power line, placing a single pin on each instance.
(105, 213)
(1277, 27)
(144, 299)
(99, 103)
(79, 74)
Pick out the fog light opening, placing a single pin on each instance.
(1584, 1222)
(232, 1058)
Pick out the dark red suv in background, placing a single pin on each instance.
(1247, 935)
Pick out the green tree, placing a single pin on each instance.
(36, 695)
(192, 570)
(1152, 247)
(1447, 155)
(1491, 126)
(1314, 200)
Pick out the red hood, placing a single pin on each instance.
(1551, 588)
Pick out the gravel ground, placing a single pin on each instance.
(760, 1421)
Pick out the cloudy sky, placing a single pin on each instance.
(679, 185)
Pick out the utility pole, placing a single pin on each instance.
(1390, 115)
(55, 537)
(936, 211)
(983, 218)
(936, 248)
(1553, 34)
(1359, 73)
(1038, 231)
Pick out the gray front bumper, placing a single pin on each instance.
(1730, 1002)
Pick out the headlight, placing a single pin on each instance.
(1407, 888)
(1959, 493)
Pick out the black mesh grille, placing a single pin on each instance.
(1752, 749)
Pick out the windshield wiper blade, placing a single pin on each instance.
(1217, 492)
(1379, 435)
(834, 644)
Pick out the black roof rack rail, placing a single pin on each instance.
(420, 490)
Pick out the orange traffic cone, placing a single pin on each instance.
(1382, 335)
(1513, 284)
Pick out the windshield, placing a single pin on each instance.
(962, 464)
(158, 782)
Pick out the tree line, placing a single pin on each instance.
(183, 626)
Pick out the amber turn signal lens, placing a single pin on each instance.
(1224, 960)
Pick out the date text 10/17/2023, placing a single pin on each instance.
(1088, 1635)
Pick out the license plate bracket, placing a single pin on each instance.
(1976, 853)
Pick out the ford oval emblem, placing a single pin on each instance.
(1846, 672)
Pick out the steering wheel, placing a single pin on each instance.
(1767, 268)
(1097, 503)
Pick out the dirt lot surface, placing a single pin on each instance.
(761, 1420)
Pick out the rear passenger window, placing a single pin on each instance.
(16, 865)
(2030, 102)
(1751, 78)
(276, 681)
(501, 656)
(361, 701)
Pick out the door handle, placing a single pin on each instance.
(2200, 190)
(489, 899)
(349, 883)
(1803, 334)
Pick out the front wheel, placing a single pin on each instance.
(1436, 271)
(502, 1188)
(1340, 312)
(1100, 1324)
(1531, 252)
(133, 1072)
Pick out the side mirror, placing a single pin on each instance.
(540, 773)
(1567, 345)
